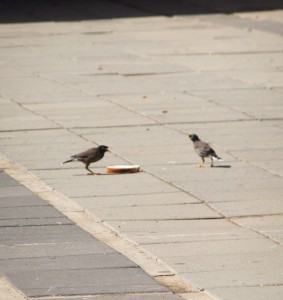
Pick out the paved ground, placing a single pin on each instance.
(44, 254)
(140, 85)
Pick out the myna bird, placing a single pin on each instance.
(203, 149)
(89, 156)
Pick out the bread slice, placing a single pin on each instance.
(123, 169)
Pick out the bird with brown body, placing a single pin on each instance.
(89, 156)
(203, 149)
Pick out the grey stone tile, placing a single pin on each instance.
(14, 191)
(7, 181)
(53, 249)
(20, 201)
(68, 262)
(27, 212)
(35, 222)
(43, 234)
(85, 282)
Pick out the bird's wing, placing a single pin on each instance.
(203, 149)
(86, 154)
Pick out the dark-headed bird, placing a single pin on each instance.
(203, 149)
(89, 156)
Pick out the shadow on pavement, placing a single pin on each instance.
(17, 11)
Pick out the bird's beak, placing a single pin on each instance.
(190, 135)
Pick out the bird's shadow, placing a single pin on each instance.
(223, 166)
(107, 174)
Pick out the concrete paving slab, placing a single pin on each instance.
(179, 231)
(267, 206)
(265, 102)
(267, 77)
(261, 195)
(163, 108)
(270, 226)
(96, 114)
(164, 212)
(155, 199)
(98, 185)
(246, 292)
(228, 262)
(233, 61)
(235, 278)
(135, 136)
(227, 169)
(211, 247)
(267, 159)
(197, 296)
(231, 185)
(14, 117)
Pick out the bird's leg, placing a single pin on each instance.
(201, 165)
(211, 165)
(90, 171)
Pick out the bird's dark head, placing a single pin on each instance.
(194, 137)
(103, 148)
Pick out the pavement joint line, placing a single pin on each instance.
(253, 164)
(267, 236)
(221, 105)
(100, 230)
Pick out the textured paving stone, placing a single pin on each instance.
(59, 258)
(85, 282)
(26, 212)
(69, 262)
(21, 201)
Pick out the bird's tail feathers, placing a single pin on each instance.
(216, 157)
(69, 160)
